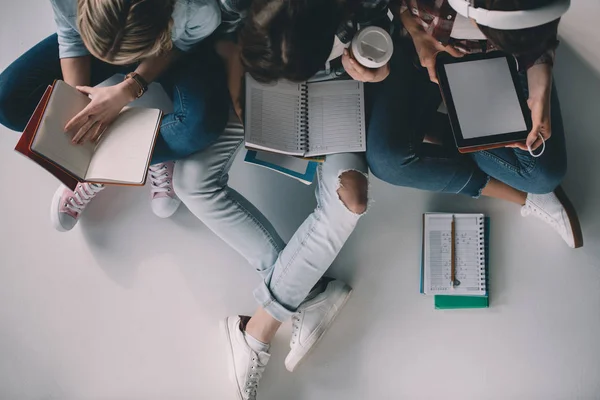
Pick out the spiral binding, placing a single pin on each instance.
(481, 256)
(303, 119)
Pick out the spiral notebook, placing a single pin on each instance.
(305, 119)
(470, 254)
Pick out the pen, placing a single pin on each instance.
(452, 252)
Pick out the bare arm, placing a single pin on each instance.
(151, 68)
(107, 102)
(426, 45)
(230, 53)
(76, 71)
(539, 78)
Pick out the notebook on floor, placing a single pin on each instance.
(303, 170)
(305, 119)
(471, 257)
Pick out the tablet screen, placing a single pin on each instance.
(485, 98)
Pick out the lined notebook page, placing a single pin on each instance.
(470, 257)
(273, 116)
(336, 117)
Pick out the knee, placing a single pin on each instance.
(547, 177)
(9, 116)
(385, 162)
(205, 118)
(192, 178)
(353, 191)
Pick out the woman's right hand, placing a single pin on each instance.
(427, 49)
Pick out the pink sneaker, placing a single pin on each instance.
(163, 199)
(67, 206)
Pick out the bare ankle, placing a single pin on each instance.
(262, 326)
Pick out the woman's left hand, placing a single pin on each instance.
(540, 118)
(539, 79)
(363, 74)
(106, 104)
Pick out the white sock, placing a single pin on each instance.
(256, 344)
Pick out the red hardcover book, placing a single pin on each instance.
(121, 157)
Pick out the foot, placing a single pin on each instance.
(246, 365)
(313, 319)
(163, 199)
(556, 209)
(68, 205)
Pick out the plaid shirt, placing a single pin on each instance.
(364, 13)
(437, 18)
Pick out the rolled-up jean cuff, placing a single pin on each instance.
(265, 299)
(476, 184)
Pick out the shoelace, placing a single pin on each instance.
(531, 209)
(254, 378)
(159, 178)
(82, 195)
(295, 326)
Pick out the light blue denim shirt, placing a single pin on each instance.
(193, 20)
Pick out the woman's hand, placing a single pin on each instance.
(106, 104)
(363, 74)
(427, 49)
(539, 79)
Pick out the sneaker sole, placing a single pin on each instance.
(54, 207)
(302, 356)
(224, 326)
(572, 214)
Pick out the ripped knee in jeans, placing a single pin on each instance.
(353, 191)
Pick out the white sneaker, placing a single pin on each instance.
(556, 209)
(313, 319)
(163, 199)
(68, 205)
(245, 365)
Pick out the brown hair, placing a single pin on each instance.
(533, 40)
(289, 39)
(125, 31)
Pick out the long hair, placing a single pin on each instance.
(125, 31)
(289, 39)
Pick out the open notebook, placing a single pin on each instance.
(121, 156)
(305, 119)
(469, 252)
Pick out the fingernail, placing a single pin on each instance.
(345, 52)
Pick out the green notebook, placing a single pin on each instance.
(443, 302)
(451, 301)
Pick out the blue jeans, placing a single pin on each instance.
(402, 110)
(196, 84)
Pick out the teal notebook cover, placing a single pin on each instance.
(443, 302)
(297, 168)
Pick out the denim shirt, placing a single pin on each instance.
(193, 20)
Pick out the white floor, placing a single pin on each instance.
(127, 306)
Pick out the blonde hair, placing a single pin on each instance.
(125, 31)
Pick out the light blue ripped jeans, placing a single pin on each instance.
(289, 271)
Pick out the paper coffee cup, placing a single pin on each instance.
(372, 47)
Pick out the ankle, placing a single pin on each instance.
(262, 326)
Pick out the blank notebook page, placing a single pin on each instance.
(123, 153)
(335, 117)
(51, 140)
(470, 263)
(272, 116)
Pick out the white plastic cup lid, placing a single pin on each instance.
(372, 47)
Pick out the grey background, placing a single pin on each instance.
(126, 306)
